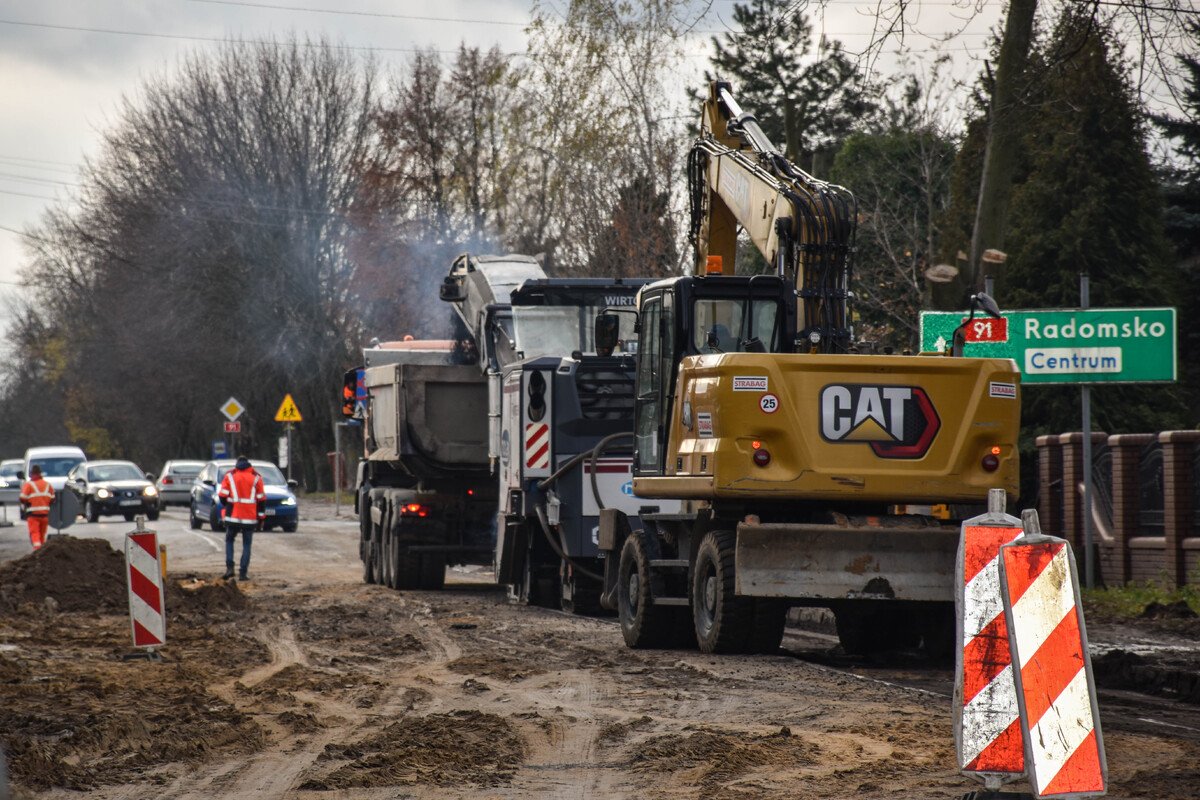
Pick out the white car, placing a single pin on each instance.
(55, 462)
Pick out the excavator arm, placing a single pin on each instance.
(804, 227)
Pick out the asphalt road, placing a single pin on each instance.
(319, 536)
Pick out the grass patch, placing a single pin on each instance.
(1129, 602)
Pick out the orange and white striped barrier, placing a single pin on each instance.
(987, 730)
(1056, 693)
(147, 609)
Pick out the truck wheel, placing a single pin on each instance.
(723, 620)
(377, 537)
(766, 631)
(368, 559)
(387, 544)
(433, 570)
(643, 624)
(579, 594)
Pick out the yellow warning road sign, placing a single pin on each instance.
(287, 411)
(232, 409)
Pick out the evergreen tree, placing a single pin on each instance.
(808, 100)
(1181, 217)
(1087, 201)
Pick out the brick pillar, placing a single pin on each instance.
(1126, 452)
(1178, 451)
(1049, 471)
(1072, 476)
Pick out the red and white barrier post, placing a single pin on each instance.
(987, 731)
(1056, 693)
(147, 606)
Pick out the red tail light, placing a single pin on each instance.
(414, 510)
(167, 479)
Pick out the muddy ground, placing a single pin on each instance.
(304, 683)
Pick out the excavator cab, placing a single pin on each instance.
(707, 316)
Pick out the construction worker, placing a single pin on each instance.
(36, 496)
(243, 501)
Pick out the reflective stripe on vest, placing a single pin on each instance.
(39, 498)
(243, 509)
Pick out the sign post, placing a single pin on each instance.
(231, 409)
(288, 414)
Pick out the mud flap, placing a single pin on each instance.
(836, 562)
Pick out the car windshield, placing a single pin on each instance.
(114, 472)
(270, 474)
(55, 467)
(720, 328)
(10, 470)
(560, 330)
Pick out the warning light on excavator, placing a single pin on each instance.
(714, 265)
(996, 450)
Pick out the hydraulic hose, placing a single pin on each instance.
(600, 447)
(544, 524)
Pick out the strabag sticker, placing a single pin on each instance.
(704, 426)
(1008, 390)
(750, 383)
(769, 403)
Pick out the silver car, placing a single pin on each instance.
(10, 481)
(174, 482)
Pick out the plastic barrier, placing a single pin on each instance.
(147, 609)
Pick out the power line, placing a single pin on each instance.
(361, 13)
(27, 194)
(267, 42)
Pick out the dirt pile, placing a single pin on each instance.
(80, 574)
(200, 598)
(718, 757)
(486, 665)
(462, 747)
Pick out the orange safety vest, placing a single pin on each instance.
(38, 495)
(243, 488)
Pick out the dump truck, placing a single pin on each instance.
(794, 451)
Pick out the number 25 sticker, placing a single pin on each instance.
(769, 403)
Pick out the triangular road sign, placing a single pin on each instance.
(287, 411)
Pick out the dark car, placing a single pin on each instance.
(106, 488)
(281, 509)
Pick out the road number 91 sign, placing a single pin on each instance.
(769, 403)
(987, 330)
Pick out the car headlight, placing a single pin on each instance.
(150, 491)
(288, 501)
(103, 494)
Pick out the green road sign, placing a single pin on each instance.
(1095, 345)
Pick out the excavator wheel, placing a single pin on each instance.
(766, 630)
(724, 621)
(643, 624)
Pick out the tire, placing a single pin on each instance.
(193, 521)
(214, 521)
(288, 527)
(128, 515)
(380, 501)
(91, 511)
(643, 624)
(579, 594)
(722, 619)
(433, 571)
(766, 630)
(152, 515)
(387, 545)
(368, 559)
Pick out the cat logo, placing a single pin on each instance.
(896, 421)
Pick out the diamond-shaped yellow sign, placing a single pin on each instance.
(232, 409)
(287, 411)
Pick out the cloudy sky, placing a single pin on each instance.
(67, 63)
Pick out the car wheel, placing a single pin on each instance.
(214, 521)
(91, 511)
(288, 527)
(128, 515)
(152, 515)
(193, 520)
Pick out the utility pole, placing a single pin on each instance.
(1000, 156)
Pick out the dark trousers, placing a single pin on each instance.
(232, 529)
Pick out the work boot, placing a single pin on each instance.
(243, 577)
(228, 574)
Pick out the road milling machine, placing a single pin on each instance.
(794, 451)
(474, 446)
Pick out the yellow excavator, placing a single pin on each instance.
(799, 455)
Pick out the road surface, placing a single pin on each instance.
(306, 683)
